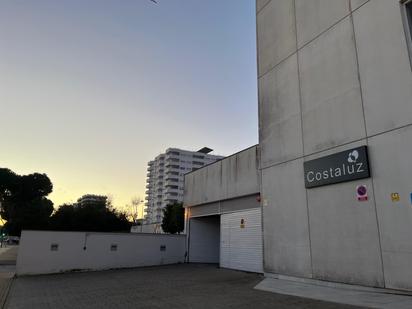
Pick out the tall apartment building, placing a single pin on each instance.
(165, 176)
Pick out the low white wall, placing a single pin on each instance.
(95, 251)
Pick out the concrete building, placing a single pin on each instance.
(88, 199)
(222, 201)
(335, 135)
(165, 176)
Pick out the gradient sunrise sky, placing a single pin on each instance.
(91, 90)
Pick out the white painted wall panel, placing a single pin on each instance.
(92, 251)
(241, 248)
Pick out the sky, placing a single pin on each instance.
(91, 90)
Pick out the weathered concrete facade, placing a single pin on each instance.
(232, 177)
(224, 212)
(334, 75)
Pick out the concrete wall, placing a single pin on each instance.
(94, 251)
(333, 75)
(231, 177)
(225, 206)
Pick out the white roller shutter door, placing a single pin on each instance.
(241, 244)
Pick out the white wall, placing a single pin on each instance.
(92, 251)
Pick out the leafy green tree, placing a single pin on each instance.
(96, 216)
(173, 218)
(23, 201)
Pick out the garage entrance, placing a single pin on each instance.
(204, 237)
(234, 240)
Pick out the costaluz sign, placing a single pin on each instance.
(340, 167)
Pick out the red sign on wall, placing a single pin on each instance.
(362, 193)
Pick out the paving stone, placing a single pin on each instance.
(174, 286)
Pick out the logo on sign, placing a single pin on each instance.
(340, 167)
(353, 156)
(362, 193)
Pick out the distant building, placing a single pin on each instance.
(138, 227)
(88, 199)
(165, 178)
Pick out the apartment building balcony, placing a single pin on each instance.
(172, 168)
(172, 155)
(172, 191)
(172, 165)
(170, 182)
(171, 200)
(172, 178)
(171, 185)
(175, 173)
(197, 164)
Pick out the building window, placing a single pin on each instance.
(407, 16)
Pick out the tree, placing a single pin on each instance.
(132, 210)
(96, 216)
(23, 201)
(173, 218)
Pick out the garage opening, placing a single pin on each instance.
(232, 240)
(204, 239)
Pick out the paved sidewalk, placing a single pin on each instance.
(175, 286)
(345, 294)
(8, 257)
